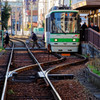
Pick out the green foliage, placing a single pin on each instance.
(1, 49)
(5, 15)
(10, 92)
(94, 70)
(94, 65)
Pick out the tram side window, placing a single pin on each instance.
(47, 24)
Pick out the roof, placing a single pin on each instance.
(64, 11)
(87, 5)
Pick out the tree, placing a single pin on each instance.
(6, 12)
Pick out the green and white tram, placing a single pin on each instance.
(62, 31)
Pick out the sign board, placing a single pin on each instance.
(84, 11)
(79, 4)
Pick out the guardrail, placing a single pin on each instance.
(92, 37)
(6, 77)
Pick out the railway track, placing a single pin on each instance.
(3, 67)
(47, 76)
(61, 72)
(20, 86)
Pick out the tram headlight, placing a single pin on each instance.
(56, 40)
(74, 40)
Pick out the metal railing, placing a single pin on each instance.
(94, 38)
(3, 97)
(91, 36)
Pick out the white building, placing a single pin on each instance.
(43, 8)
(45, 5)
(41, 11)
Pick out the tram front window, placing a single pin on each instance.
(62, 22)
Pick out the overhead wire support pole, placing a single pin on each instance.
(11, 20)
(22, 19)
(16, 21)
(63, 2)
(31, 2)
(70, 3)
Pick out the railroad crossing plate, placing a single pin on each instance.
(41, 74)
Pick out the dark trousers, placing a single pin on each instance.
(35, 43)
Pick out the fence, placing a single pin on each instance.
(92, 37)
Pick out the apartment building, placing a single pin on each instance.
(41, 12)
(31, 13)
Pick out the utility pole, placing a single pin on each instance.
(22, 19)
(11, 20)
(63, 2)
(70, 3)
(31, 2)
(0, 16)
(16, 21)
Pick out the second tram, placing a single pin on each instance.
(62, 31)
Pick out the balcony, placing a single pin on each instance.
(87, 5)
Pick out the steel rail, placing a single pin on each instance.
(37, 63)
(7, 74)
(63, 65)
(46, 77)
(24, 68)
(6, 77)
(81, 56)
(32, 56)
(50, 69)
(44, 74)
